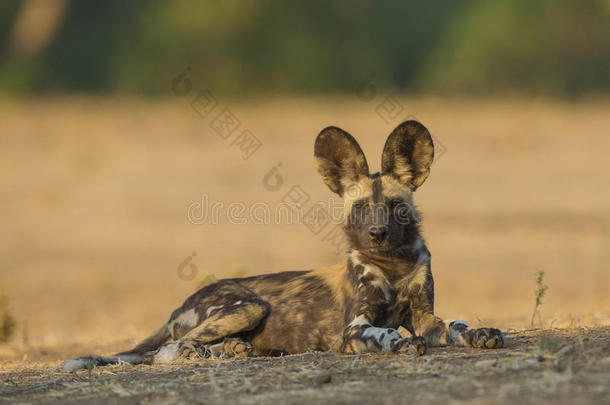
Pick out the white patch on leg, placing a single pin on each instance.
(383, 336)
(360, 320)
(167, 353)
(188, 318)
(212, 308)
(456, 334)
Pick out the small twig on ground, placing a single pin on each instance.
(511, 331)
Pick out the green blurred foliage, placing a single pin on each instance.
(559, 47)
(553, 47)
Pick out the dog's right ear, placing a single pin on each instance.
(339, 159)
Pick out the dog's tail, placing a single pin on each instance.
(133, 356)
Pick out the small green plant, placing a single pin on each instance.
(90, 367)
(549, 343)
(7, 322)
(539, 293)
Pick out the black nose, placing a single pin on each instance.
(378, 233)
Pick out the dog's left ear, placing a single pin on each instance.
(408, 154)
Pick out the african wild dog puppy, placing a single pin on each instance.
(385, 281)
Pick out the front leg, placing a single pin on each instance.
(373, 296)
(438, 332)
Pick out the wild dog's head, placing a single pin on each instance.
(380, 215)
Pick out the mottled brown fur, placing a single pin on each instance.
(385, 283)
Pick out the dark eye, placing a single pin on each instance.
(395, 202)
(358, 205)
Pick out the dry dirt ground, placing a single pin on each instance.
(557, 366)
(95, 240)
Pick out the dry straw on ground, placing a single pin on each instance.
(576, 370)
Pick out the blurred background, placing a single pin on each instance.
(118, 118)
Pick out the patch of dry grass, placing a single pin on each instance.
(521, 373)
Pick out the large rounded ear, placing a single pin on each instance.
(339, 159)
(408, 154)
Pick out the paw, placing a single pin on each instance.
(190, 352)
(237, 348)
(486, 338)
(215, 350)
(415, 345)
(171, 352)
